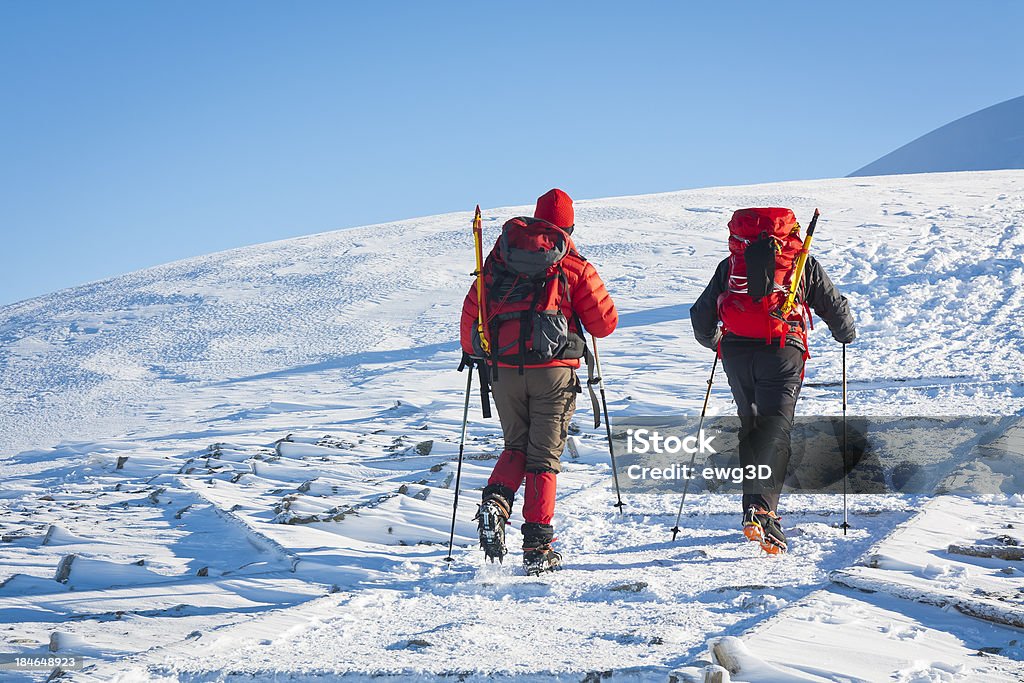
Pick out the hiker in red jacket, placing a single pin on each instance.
(541, 296)
(763, 347)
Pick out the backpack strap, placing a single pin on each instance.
(526, 321)
(592, 379)
(485, 380)
(588, 357)
(525, 317)
(563, 280)
(485, 388)
(494, 351)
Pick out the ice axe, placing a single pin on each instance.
(798, 270)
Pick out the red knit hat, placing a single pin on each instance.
(555, 207)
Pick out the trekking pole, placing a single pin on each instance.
(607, 426)
(458, 470)
(700, 426)
(846, 523)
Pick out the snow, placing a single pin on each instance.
(904, 603)
(248, 458)
(989, 139)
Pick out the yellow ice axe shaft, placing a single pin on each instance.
(798, 271)
(481, 320)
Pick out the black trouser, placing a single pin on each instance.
(765, 381)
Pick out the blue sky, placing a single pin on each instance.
(136, 133)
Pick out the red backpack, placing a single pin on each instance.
(529, 308)
(763, 249)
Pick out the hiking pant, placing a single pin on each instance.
(765, 381)
(534, 409)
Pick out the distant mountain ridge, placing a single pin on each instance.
(988, 140)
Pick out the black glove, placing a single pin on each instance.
(847, 339)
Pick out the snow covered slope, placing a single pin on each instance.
(244, 462)
(112, 356)
(990, 139)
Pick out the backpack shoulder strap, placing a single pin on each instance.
(592, 379)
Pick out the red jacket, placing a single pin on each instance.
(587, 299)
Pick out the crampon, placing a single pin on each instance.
(492, 517)
(763, 527)
(541, 559)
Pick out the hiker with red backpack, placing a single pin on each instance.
(759, 330)
(541, 297)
